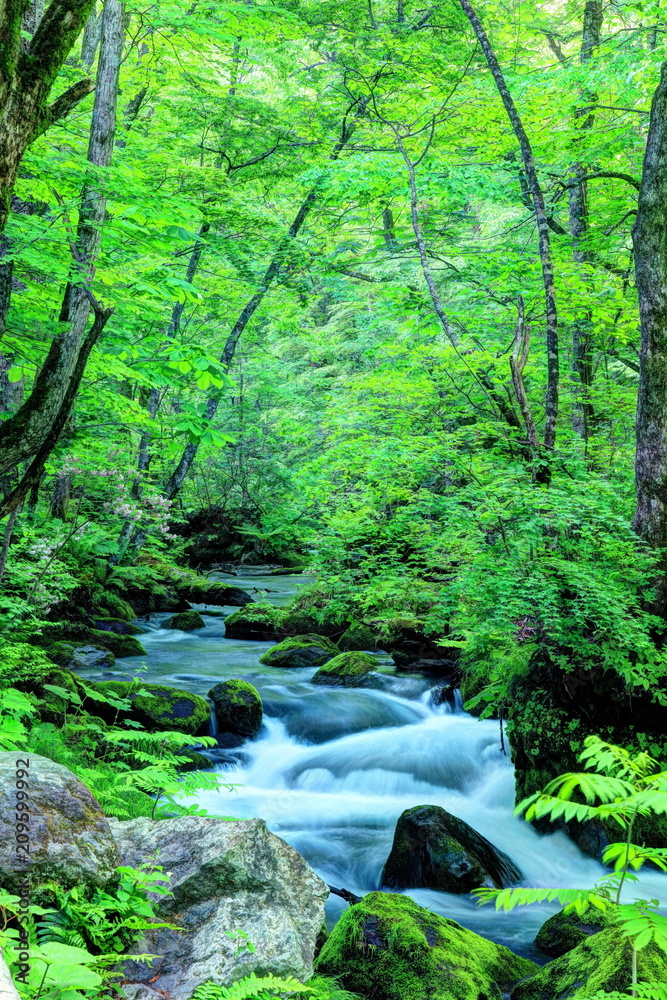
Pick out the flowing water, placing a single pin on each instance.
(333, 768)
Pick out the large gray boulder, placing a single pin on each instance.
(225, 877)
(69, 836)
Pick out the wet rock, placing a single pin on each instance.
(259, 621)
(91, 656)
(602, 962)
(226, 876)
(157, 706)
(434, 850)
(388, 948)
(118, 626)
(238, 707)
(300, 651)
(203, 591)
(412, 649)
(564, 931)
(120, 645)
(346, 670)
(70, 839)
(185, 621)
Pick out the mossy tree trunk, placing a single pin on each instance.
(650, 250)
(25, 434)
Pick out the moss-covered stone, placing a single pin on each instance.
(260, 621)
(200, 590)
(600, 962)
(157, 706)
(564, 931)
(196, 761)
(238, 707)
(433, 849)
(345, 670)
(185, 621)
(120, 645)
(388, 948)
(110, 605)
(61, 653)
(300, 651)
(361, 637)
(118, 626)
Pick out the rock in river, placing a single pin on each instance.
(238, 707)
(301, 651)
(226, 877)
(434, 850)
(346, 670)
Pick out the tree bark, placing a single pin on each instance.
(582, 368)
(650, 252)
(91, 37)
(541, 218)
(23, 434)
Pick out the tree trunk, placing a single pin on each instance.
(650, 250)
(23, 434)
(91, 37)
(582, 368)
(541, 218)
(177, 478)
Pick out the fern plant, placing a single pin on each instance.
(618, 788)
(270, 987)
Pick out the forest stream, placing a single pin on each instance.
(333, 768)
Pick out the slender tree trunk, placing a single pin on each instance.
(650, 251)
(582, 368)
(542, 221)
(177, 478)
(91, 37)
(62, 490)
(23, 434)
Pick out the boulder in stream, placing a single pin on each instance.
(70, 839)
(565, 930)
(199, 590)
(238, 707)
(259, 621)
(602, 962)
(157, 706)
(389, 948)
(357, 636)
(185, 621)
(118, 625)
(434, 850)
(301, 651)
(346, 670)
(227, 877)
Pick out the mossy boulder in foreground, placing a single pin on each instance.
(346, 670)
(256, 621)
(238, 707)
(300, 651)
(564, 931)
(388, 948)
(186, 621)
(601, 962)
(434, 850)
(157, 706)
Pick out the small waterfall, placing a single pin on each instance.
(213, 729)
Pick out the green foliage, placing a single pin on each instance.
(275, 988)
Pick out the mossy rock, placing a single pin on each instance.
(260, 621)
(358, 637)
(185, 621)
(433, 849)
(120, 645)
(111, 605)
(238, 707)
(300, 651)
(196, 761)
(62, 653)
(297, 621)
(601, 962)
(389, 948)
(117, 625)
(565, 930)
(160, 707)
(200, 590)
(346, 670)
(146, 588)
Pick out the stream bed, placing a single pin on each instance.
(333, 768)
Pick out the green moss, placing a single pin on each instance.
(238, 707)
(120, 645)
(564, 931)
(601, 962)
(358, 637)
(186, 621)
(111, 605)
(61, 653)
(118, 625)
(346, 669)
(388, 948)
(161, 707)
(300, 651)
